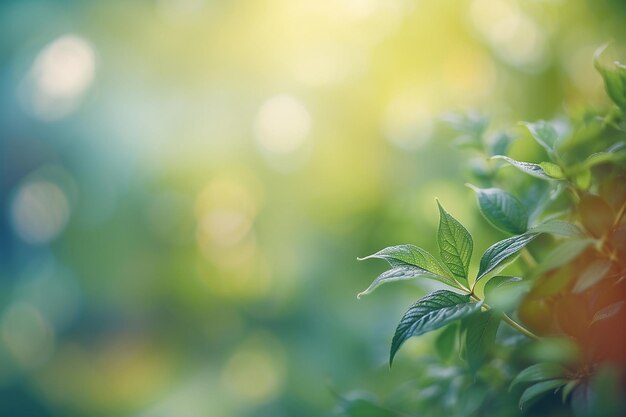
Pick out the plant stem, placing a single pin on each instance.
(508, 320)
(528, 258)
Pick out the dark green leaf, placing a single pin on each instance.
(500, 251)
(455, 245)
(557, 227)
(567, 389)
(430, 313)
(544, 134)
(614, 75)
(535, 391)
(527, 167)
(592, 274)
(539, 372)
(480, 336)
(502, 209)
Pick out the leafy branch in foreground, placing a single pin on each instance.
(565, 220)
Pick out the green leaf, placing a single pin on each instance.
(480, 336)
(527, 167)
(569, 387)
(539, 372)
(535, 391)
(544, 134)
(583, 179)
(563, 253)
(500, 251)
(411, 255)
(502, 209)
(445, 343)
(553, 170)
(557, 227)
(399, 273)
(455, 245)
(603, 157)
(614, 75)
(592, 274)
(408, 262)
(501, 143)
(364, 405)
(497, 282)
(430, 313)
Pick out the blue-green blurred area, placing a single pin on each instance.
(186, 185)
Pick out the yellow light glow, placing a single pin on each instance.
(282, 125)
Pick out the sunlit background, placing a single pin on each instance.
(186, 184)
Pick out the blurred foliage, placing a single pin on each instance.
(185, 185)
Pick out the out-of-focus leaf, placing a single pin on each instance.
(583, 179)
(362, 405)
(497, 282)
(501, 143)
(532, 169)
(539, 372)
(608, 311)
(535, 391)
(502, 209)
(592, 274)
(567, 389)
(430, 313)
(544, 134)
(557, 227)
(614, 75)
(446, 341)
(563, 253)
(596, 214)
(455, 245)
(500, 251)
(480, 336)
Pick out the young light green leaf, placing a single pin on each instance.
(497, 282)
(552, 170)
(535, 391)
(592, 274)
(568, 388)
(430, 313)
(539, 372)
(500, 251)
(455, 245)
(527, 167)
(563, 253)
(480, 336)
(502, 209)
(608, 311)
(402, 273)
(602, 157)
(411, 255)
(614, 75)
(544, 134)
(557, 227)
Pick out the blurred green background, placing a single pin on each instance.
(186, 184)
